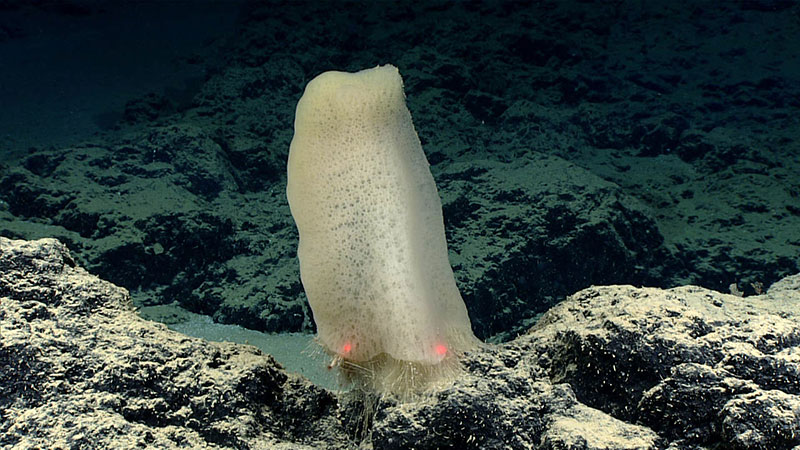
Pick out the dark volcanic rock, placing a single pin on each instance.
(161, 214)
(525, 234)
(680, 167)
(612, 367)
(167, 217)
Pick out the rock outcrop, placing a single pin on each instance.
(80, 369)
(612, 367)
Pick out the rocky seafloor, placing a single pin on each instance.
(573, 143)
(612, 367)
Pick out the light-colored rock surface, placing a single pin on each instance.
(80, 369)
(612, 367)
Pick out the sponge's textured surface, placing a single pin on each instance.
(373, 256)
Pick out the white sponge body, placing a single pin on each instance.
(373, 255)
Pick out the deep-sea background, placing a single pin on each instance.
(573, 143)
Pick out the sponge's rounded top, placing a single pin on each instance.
(335, 101)
(370, 88)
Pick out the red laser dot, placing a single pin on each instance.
(440, 349)
(346, 348)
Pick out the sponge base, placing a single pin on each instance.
(405, 380)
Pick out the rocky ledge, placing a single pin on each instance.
(612, 367)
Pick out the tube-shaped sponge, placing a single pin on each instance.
(373, 255)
